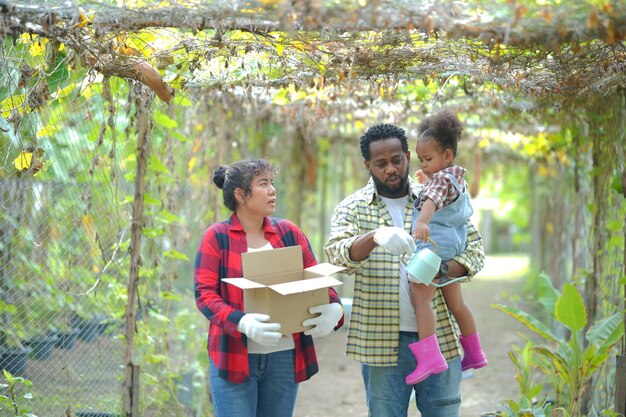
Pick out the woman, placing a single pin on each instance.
(254, 371)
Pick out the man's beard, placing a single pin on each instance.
(386, 190)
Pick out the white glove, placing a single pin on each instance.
(329, 316)
(396, 240)
(255, 327)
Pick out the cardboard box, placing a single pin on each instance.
(276, 284)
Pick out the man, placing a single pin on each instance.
(369, 233)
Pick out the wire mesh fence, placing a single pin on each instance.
(58, 248)
(64, 243)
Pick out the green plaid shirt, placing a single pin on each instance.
(373, 334)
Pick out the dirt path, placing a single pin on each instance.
(338, 391)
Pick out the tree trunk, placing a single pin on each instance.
(298, 182)
(143, 102)
(620, 372)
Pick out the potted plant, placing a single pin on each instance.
(14, 360)
(66, 336)
(42, 345)
(13, 355)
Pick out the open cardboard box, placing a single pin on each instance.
(275, 283)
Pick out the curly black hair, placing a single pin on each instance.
(443, 127)
(381, 132)
(239, 175)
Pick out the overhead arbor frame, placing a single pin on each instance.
(554, 53)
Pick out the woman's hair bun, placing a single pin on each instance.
(219, 175)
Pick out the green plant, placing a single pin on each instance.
(567, 362)
(13, 402)
(523, 360)
(524, 408)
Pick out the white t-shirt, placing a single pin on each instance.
(285, 342)
(408, 322)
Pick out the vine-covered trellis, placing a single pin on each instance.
(297, 80)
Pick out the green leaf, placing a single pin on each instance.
(179, 136)
(151, 232)
(607, 332)
(558, 362)
(164, 120)
(616, 183)
(570, 309)
(157, 165)
(547, 293)
(529, 321)
(181, 100)
(168, 217)
(160, 317)
(535, 391)
(148, 199)
(155, 358)
(174, 254)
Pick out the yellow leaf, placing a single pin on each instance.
(197, 144)
(10, 103)
(83, 20)
(38, 47)
(549, 228)
(23, 160)
(87, 221)
(192, 163)
(88, 226)
(47, 130)
(279, 49)
(64, 92)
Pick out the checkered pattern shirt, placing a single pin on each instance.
(441, 190)
(219, 256)
(373, 334)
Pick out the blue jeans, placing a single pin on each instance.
(388, 395)
(270, 391)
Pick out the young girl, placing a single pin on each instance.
(254, 371)
(442, 211)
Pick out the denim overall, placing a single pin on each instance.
(448, 226)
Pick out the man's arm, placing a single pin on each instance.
(363, 246)
(350, 246)
(344, 231)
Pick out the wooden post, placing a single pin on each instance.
(143, 102)
(620, 372)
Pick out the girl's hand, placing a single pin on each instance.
(421, 231)
(421, 177)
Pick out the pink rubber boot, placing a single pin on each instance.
(429, 359)
(473, 355)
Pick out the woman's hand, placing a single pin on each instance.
(255, 327)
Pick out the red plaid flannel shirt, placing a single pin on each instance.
(219, 256)
(440, 189)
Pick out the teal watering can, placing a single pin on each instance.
(424, 266)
